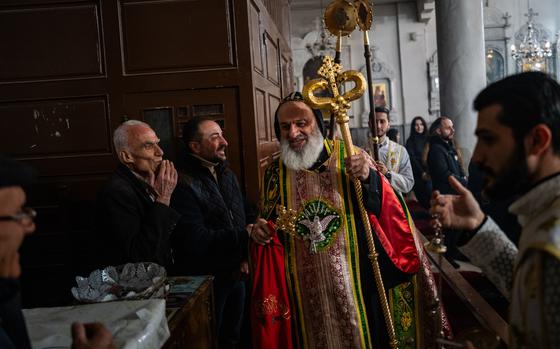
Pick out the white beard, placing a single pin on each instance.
(304, 159)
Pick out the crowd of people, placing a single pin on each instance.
(196, 220)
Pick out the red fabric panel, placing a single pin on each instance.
(270, 305)
(394, 232)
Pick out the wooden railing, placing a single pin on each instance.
(482, 311)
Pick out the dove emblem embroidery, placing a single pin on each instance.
(316, 229)
(317, 224)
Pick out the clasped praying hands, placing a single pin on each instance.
(164, 182)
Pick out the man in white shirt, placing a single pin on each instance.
(394, 161)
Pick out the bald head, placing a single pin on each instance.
(122, 135)
(136, 145)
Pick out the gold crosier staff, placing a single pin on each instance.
(341, 18)
(338, 104)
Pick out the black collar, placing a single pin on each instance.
(320, 164)
(194, 164)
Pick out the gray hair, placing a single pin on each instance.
(120, 136)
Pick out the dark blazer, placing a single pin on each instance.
(13, 333)
(415, 148)
(131, 226)
(422, 187)
(442, 163)
(210, 237)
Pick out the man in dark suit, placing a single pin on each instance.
(213, 232)
(133, 214)
(443, 158)
(444, 161)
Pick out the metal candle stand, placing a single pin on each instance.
(437, 245)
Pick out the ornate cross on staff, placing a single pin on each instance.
(286, 220)
(339, 104)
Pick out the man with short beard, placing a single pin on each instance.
(212, 235)
(334, 300)
(518, 147)
(443, 159)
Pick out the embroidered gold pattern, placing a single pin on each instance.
(406, 320)
(271, 306)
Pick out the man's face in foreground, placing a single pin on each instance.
(15, 224)
(499, 156)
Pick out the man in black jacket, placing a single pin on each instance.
(443, 160)
(212, 235)
(133, 214)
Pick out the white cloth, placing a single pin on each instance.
(532, 273)
(397, 160)
(134, 324)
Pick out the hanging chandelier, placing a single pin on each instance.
(323, 44)
(531, 54)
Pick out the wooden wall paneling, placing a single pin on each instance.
(286, 27)
(56, 127)
(55, 106)
(208, 79)
(270, 150)
(44, 3)
(272, 57)
(81, 194)
(256, 37)
(287, 71)
(262, 115)
(273, 103)
(266, 105)
(265, 119)
(181, 39)
(279, 12)
(60, 247)
(41, 47)
(271, 83)
(247, 39)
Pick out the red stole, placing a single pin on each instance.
(393, 230)
(270, 305)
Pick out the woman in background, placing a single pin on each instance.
(415, 146)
